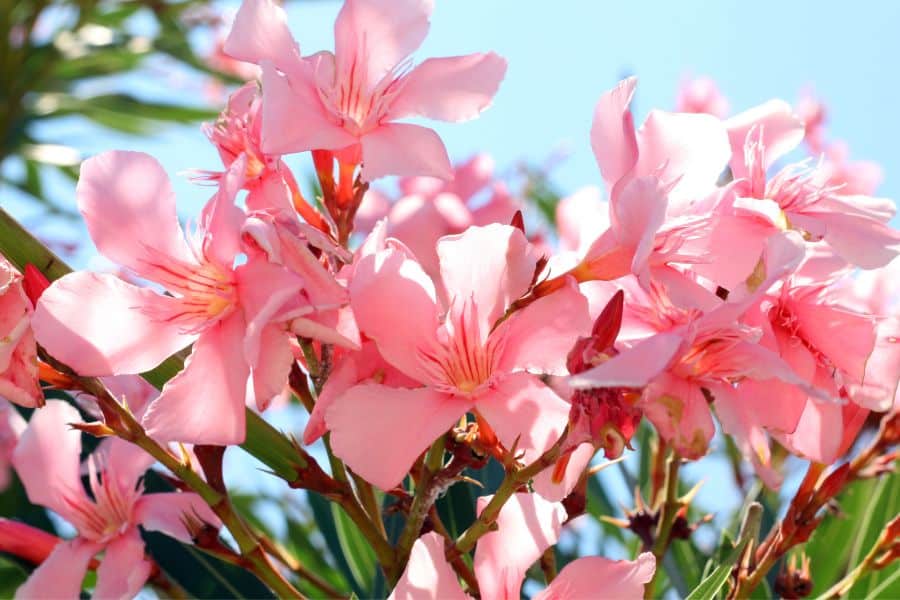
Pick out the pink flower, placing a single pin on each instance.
(11, 427)
(701, 95)
(457, 353)
(350, 99)
(699, 349)
(526, 526)
(18, 353)
(654, 176)
(47, 461)
(100, 325)
(799, 198)
(432, 208)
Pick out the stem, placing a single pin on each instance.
(511, 483)
(548, 564)
(668, 512)
(129, 429)
(426, 493)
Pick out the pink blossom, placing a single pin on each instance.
(701, 95)
(430, 208)
(526, 526)
(18, 353)
(461, 358)
(702, 348)
(129, 208)
(855, 226)
(11, 427)
(349, 100)
(47, 461)
(654, 176)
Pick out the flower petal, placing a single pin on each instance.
(293, 116)
(123, 570)
(526, 526)
(591, 576)
(688, 150)
(47, 458)
(404, 149)
(61, 574)
(775, 121)
(612, 133)
(260, 32)
(524, 413)
(394, 303)
(166, 512)
(204, 403)
(427, 575)
(379, 431)
(634, 367)
(99, 325)
(487, 269)
(129, 208)
(538, 337)
(372, 37)
(454, 88)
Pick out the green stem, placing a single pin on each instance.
(668, 512)
(511, 483)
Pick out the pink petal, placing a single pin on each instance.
(99, 325)
(688, 150)
(166, 512)
(61, 574)
(526, 526)
(525, 413)
(221, 220)
(591, 576)
(500, 207)
(581, 218)
(123, 461)
(579, 460)
(538, 337)
(634, 367)
(204, 403)
(862, 241)
(781, 132)
(123, 570)
(374, 36)
(129, 208)
(271, 367)
(845, 337)
(47, 459)
(636, 214)
(18, 352)
(294, 119)
(454, 89)
(678, 410)
(404, 421)
(260, 32)
(427, 575)
(612, 133)
(394, 303)
(405, 150)
(419, 221)
(486, 268)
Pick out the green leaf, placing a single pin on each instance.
(12, 575)
(599, 505)
(879, 514)
(712, 584)
(324, 516)
(360, 557)
(202, 575)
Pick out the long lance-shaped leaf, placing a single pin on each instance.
(712, 584)
(264, 442)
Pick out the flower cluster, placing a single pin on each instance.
(717, 282)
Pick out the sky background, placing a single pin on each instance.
(563, 54)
